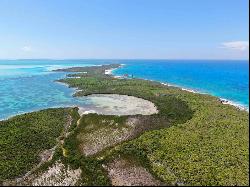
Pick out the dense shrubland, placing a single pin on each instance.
(207, 143)
(24, 137)
(193, 140)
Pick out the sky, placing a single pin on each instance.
(124, 29)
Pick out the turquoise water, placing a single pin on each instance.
(225, 79)
(29, 85)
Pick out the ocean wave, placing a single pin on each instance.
(223, 101)
(237, 105)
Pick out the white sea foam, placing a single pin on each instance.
(224, 101)
(237, 105)
(109, 71)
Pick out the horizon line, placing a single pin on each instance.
(122, 59)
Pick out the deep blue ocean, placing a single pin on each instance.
(29, 85)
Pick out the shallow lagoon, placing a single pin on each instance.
(26, 88)
(28, 85)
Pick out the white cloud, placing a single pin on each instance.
(236, 45)
(26, 48)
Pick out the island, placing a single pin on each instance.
(169, 136)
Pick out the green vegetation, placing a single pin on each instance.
(193, 140)
(207, 143)
(171, 108)
(24, 137)
(92, 172)
(90, 71)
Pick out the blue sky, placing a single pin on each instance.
(160, 29)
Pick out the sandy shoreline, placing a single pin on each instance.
(228, 102)
(110, 72)
(223, 101)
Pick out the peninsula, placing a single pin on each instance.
(180, 138)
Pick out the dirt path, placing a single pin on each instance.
(45, 156)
